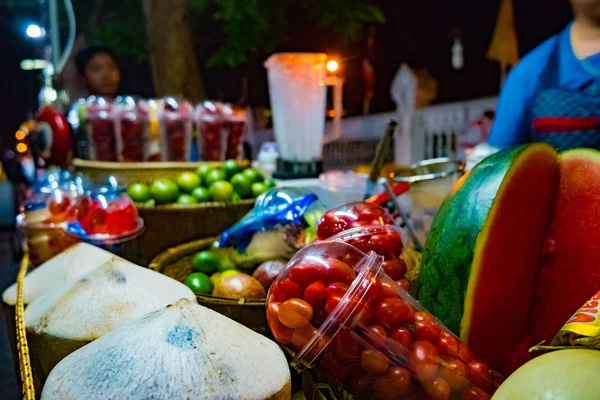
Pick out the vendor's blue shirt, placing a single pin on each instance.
(513, 123)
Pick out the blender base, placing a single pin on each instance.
(297, 169)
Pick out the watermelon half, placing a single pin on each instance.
(512, 252)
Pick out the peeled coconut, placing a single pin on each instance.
(66, 266)
(240, 286)
(100, 301)
(183, 351)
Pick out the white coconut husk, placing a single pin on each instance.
(97, 303)
(66, 266)
(184, 351)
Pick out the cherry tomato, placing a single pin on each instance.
(393, 384)
(331, 224)
(346, 345)
(480, 375)
(427, 330)
(302, 336)
(404, 284)
(396, 238)
(362, 314)
(331, 303)
(375, 334)
(474, 393)
(374, 362)
(424, 360)
(465, 354)
(315, 293)
(359, 384)
(305, 273)
(329, 362)
(388, 288)
(438, 389)
(392, 312)
(338, 288)
(339, 272)
(282, 333)
(447, 344)
(285, 290)
(384, 245)
(295, 313)
(395, 268)
(402, 337)
(456, 373)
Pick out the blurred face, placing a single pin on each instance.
(102, 75)
(588, 9)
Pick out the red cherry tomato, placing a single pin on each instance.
(375, 334)
(388, 288)
(282, 333)
(374, 362)
(480, 375)
(395, 268)
(346, 345)
(396, 238)
(302, 336)
(305, 273)
(447, 345)
(438, 389)
(474, 393)
(338, 288)
(427, 330)
(285, 290)
(392, 312)
(334, 367)
(404, 284)
(331, 224)
(401, 337)
(362, 314)
(456, 373)
(465, 354)
(339, 272)
(424, 360)
(295, 313)
(384, 245)
(315, 293)
(393, 384)
(331, 303)
(360, 384)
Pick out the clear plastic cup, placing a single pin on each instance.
(175, 126)
(337, 311)
(133, 129)
(236, 132)
(352, 215)
(212, 132)
(101, 130)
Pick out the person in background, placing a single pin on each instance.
(553, 94)
(476, 132)
(100, 70)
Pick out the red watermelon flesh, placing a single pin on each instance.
(500, 296)
(571, 270)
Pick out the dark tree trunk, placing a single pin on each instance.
(172, 57)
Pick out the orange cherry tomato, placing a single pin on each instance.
(474, 393)
(302, 336)
(393, 384)
(456, 373)
(295, 313)
(438, 389)
(282, 333)
(374, 362)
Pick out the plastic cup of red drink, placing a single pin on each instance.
(101, 130)
(133, 130)
(235, 127)
(175, 126)
(352, 215)
(212, 132)
(339, 313)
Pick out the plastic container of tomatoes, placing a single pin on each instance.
(236, 132)
(101, 125)
(212, 131)
(133, 138)
(338, 312)
(352, 215)
(175, 130)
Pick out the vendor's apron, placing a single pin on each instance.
(566, 118)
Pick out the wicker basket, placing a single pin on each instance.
(167, 225)
(176, 262)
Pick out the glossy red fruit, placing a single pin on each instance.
(474, 393)
(456, 373)
(423, 361)
(427, 330)
(392, 312)
(393, 384)
(401, 337)
(339, 272)
(375, 335)
(384, 245)
(305, 273)
(480, 375)
(331, 303)
(302, 336)
(447, 345)
(315, 293)
(338, 288)
(360, 384)
(362, 314)
(295, 313)
(465, 354)
(374, 362)
(395, 268)
(404, 284)
(346, 345)
(438, 389)
(286, 289)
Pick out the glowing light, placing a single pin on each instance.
(332, 65)
(28, 65)
(20, 135)
(21, 147)
(35, 31)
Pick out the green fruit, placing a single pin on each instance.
(230, 272)
(270, 182)
(186, 200)
(201, 194)
(253, 175)
(216, 278)
(200, 283)
(236, 198)
(164, 191)
(202, 171)
(150, 203)
(139, 192)
(221, 191)
(242, 185)
(258, 188)
(188, 181)
(205, 261)
(214, 176)
(231, 167)
(225, 263)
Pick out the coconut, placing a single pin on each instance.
(100, 301)
(66, 266)
(183, 351)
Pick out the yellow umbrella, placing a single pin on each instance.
(504, 47)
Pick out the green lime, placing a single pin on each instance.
(201, 194)
(231, 167)
(225, 264)
(221, 191)
(186, 200)
(205, 261)
(214, 176)
(200, 283)
(150, 203)
(164, 191)
(270, 182)
(236, 198)
(203, 170)
(242, 185)
(139, 192)
(188, 181)
(253, 175)
(258, 188)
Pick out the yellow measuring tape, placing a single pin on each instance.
(24, 362)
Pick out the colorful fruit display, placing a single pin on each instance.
(338, 311)
(511, 254)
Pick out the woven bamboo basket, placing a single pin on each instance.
(167, 225)
(176, 263)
